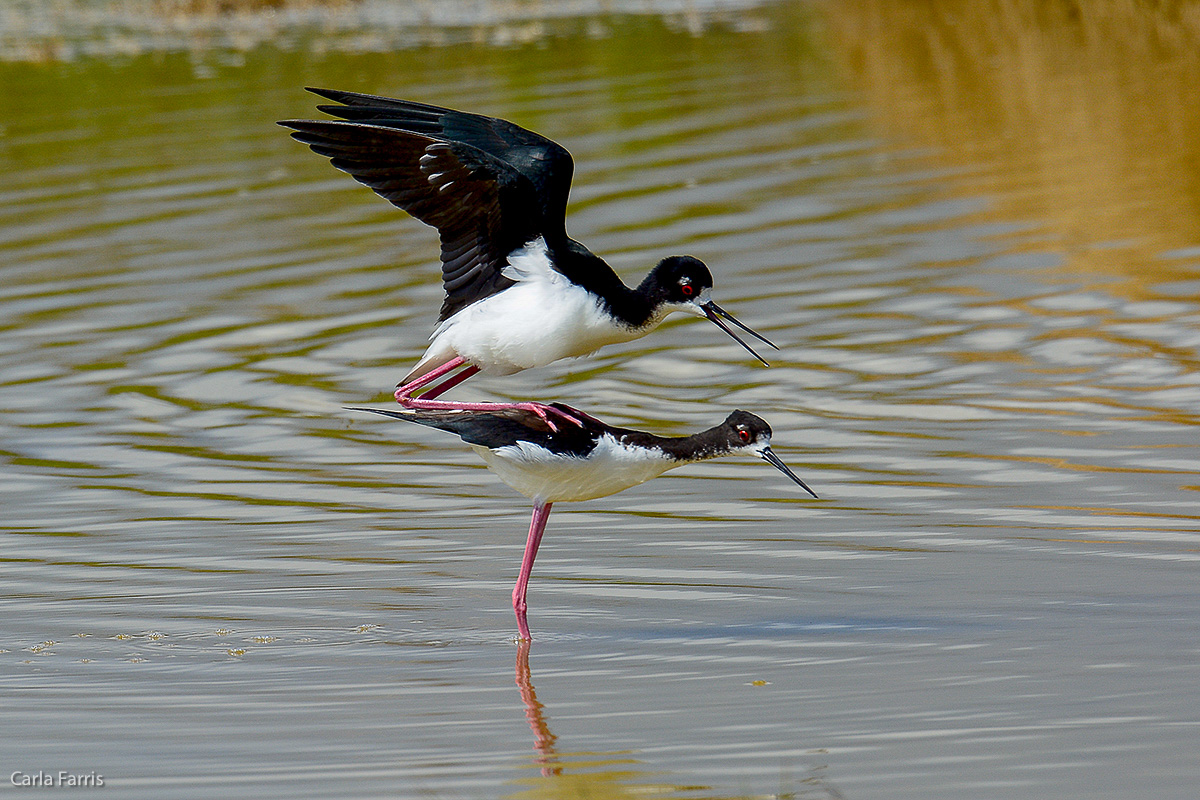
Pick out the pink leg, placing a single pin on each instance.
(537, 526)
(406, 391)
(425, 401)
(579, 414)
(449, 383)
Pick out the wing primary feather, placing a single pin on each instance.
(487, 185)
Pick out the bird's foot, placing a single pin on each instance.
(544, 412)
(575, 415)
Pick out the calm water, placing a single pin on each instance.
(981, 262)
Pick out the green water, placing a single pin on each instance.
(980, 264)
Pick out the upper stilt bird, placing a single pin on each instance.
(549, 464)
(520, 293)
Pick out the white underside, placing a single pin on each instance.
(537, 321)
(546, 477)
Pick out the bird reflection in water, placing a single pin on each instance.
(543, 739)
(621, 779)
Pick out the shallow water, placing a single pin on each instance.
(980, 262)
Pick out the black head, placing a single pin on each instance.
(680, 279)
(683, 283)
(743, 431)
(746, 430)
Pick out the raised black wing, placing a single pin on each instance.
(487, 185)
(544, 163)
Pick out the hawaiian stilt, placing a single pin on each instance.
(520, 293)
(583, 461)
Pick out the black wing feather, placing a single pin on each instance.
(543, 162)
(487, 185)
(473, 202)
(504, 427)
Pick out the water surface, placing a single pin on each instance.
(979, 260)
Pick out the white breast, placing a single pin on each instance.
(547, 477)
(542, 318)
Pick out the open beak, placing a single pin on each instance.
(768, 456)
(716, 314)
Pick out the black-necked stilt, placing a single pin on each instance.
(520, 293)
(584, 461)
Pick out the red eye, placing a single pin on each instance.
(744, 435)
(686, 289)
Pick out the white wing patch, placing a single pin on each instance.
(531, 263)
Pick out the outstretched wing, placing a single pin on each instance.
(488, 186)
(544, 163)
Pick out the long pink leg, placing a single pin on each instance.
(448, 384)
(406, 391)
(537, 526)
(425, 401)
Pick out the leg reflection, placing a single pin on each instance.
(543, 739)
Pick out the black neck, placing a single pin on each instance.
(584, 268)
(707, 444)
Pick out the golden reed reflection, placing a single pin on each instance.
(1079, 117)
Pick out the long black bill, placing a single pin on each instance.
(715, 314)
(767, 455)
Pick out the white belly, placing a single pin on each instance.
(546, 477)
(529, 325)
(538, 320)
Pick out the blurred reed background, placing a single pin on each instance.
(1079, 117)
